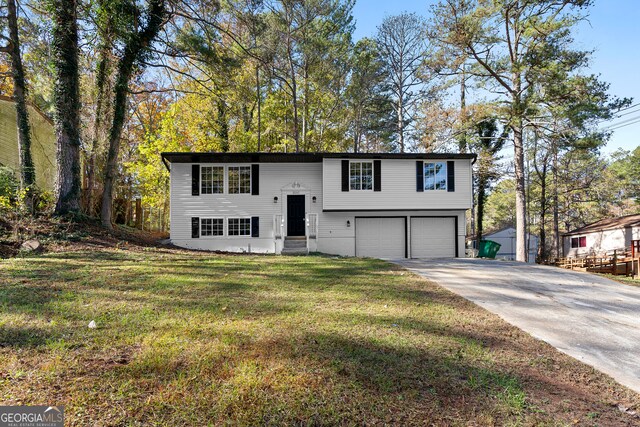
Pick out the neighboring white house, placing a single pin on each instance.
(507, 239)
(43, 143)
(602, 237)
(378, 205)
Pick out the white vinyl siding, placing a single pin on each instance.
(602, 242)
(398, 188)
(433, 237)
(281, 179)
(380, 237)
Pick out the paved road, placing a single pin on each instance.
(593, 319)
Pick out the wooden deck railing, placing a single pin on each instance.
(619, 262)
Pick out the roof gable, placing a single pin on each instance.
(608, 224)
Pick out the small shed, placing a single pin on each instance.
(507, 238)
(602, 237)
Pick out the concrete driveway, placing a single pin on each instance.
(593, 319)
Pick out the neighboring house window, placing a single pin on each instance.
(212, 180)
(239, 226)
(579, 242)
(435, 176)
(361, 175)
(212, 227)
(239, 179)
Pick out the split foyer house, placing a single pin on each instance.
(378, 205)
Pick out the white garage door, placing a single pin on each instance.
(433, 237)
(380, 237)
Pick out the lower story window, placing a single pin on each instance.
(579, 242)
(239, 226)
(212, 227)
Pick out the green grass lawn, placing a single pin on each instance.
(188, 338)
(623, 279)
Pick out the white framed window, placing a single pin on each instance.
(435, 176)
(211, 227)
(212, 180)
(239, 226)
(239, 179)
(579, 242)
(361, 175)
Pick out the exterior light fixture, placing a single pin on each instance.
(275, 199)
(314, 198)
(348, 223)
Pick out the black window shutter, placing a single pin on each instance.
(255, 226)
(419, 175)
(195, 180)
(377, 178)
(195, 227)
(255, 180)
(345, 175)
(451, 176)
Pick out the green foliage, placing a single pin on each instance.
(368, 99)
(13, 198)
(500, 206)
(9, 184)
(625, 170)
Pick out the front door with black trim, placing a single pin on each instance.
(295, 215)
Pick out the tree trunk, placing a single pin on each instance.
(136, 45)
(119, 109)
(294, 96)
(542, 243)
(259, 101)
(27, 170)
(556, 219)
(305, 112)
(521, 207)
(462, 142)
(246, 118)
(101, 77)
(357, 131)
(67, 105)
(482, 184)
(401, 124)
(223, 126)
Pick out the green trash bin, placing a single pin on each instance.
(488, 249)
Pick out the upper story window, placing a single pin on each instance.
(579, 242)
(361, 175)
(212, 180)
(239, 179)
(435, 176)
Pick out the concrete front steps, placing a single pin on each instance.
(295, 246)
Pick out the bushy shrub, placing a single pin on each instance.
(13, 198)
(9, 187)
